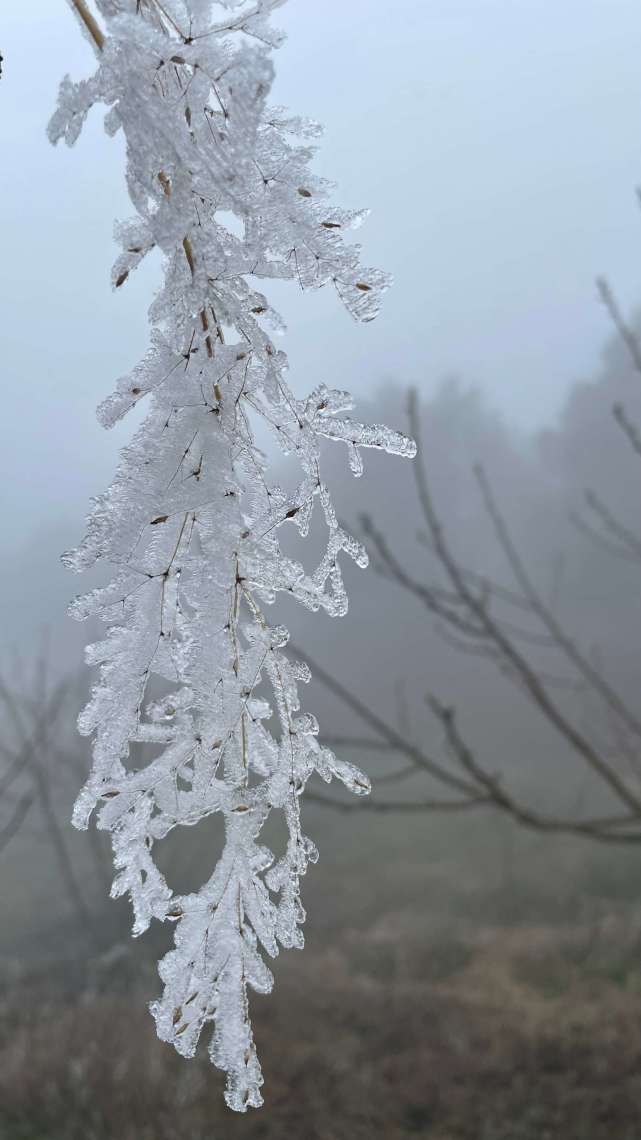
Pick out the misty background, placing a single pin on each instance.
(498, 152)
(498, 146)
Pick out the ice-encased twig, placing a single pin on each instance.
(190, 525)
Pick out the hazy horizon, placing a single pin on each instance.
(497, 151)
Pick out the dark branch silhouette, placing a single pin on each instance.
(504, 624)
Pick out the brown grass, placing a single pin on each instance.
(399, 1030)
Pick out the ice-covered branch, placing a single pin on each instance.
(190, 526)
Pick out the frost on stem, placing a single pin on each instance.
(190, 525)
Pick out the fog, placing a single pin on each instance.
(498, 152)
(497, 145)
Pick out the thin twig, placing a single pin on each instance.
(386, 731)
(556, 631)
(513, 657)
(629, 338)
(15, 823)
(90, 23)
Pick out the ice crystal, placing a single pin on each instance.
(190, 525)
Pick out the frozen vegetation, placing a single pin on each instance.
(193, 677)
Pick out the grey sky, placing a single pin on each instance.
(496, 141)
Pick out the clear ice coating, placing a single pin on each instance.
(190, 525)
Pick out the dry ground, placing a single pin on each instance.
(470, 984)
(452, 1030)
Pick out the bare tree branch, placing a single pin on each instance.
(629, 338)
(386, 731)
(613, 525)
(470, 615)
(549, 621)
(598, 828)
(631, 431)
(15, 823)
(31, 744)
